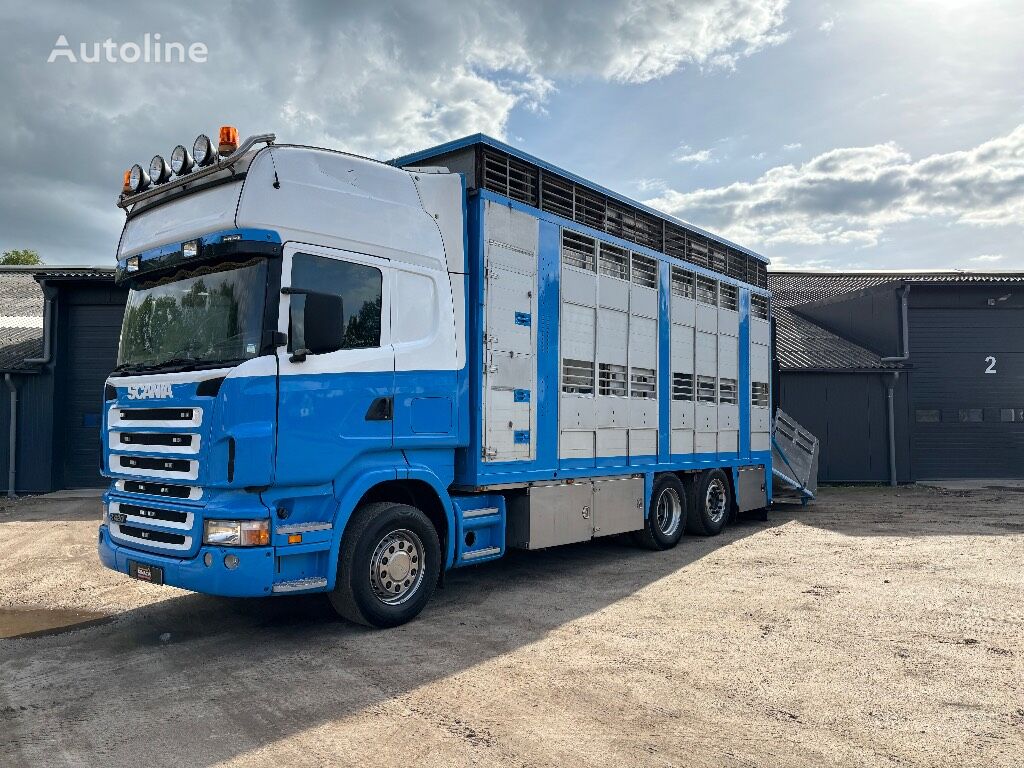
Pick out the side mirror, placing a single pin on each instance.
(316, 323)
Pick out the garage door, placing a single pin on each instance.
(967, 393)
(91, 356)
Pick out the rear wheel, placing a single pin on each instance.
(388, 565)
(712, 501)
(666, 515)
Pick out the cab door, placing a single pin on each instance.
(336, 375)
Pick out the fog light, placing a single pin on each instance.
(208, 559)
(231, 562)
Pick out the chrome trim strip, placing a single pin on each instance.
(114, 418)
(481, 553)
(469, 514)
(194, 493)
(131, 473)
(299, 584)
(115, 507)
(115, 532)
(303, 528)
(115, 444)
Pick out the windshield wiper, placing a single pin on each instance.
(176, 363)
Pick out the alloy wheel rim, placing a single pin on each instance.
(714, 500)
(669, 512)
(396, 567)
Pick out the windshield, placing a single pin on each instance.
(209, 314)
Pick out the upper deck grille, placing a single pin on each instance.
(527, 183)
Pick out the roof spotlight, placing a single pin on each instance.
(126, 188)
(138, 179)
(203, 151)
(181, 160)
(159, 170)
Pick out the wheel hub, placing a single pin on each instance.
(714, 500)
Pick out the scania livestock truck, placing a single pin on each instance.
(347, 376)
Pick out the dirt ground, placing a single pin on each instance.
(874, 627)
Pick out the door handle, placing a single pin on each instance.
(381, 409)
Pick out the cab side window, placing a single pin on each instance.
(335, 305)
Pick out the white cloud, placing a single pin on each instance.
(827, 25)
(790, 147)
(650, 185)
(987, 258)
(685, 154)
(369, 77)
(851, 196)
(758, 156)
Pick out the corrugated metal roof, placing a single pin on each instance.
(803, 344)
(21, 304)
(21, 309)
(793, 288)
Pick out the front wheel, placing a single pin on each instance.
(388, 565)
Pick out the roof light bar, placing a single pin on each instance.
(204, 160)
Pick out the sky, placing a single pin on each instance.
(842, 135)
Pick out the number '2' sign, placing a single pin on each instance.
(991, 364)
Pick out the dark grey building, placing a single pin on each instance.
(59, 331)
(945, 348)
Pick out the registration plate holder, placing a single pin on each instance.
(154, 574)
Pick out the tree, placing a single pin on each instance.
(18, 256)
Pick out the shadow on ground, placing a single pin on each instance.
(196, 680)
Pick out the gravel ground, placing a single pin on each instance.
(873, 627)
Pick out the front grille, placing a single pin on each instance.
(160, 537)
(156, 414)
(165, 515)
(164, 465)
(158, 489)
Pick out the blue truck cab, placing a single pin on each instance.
(346, 376)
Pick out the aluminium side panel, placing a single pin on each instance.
(509, 334)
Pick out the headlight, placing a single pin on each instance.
(203, 150)
(159, 171)
(138, 179)
(181, 160)
(237, 533)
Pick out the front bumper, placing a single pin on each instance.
(253, 577)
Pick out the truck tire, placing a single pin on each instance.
(666, 514)
(711, 502)
(388, 565)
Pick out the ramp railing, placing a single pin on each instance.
(794, 459)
